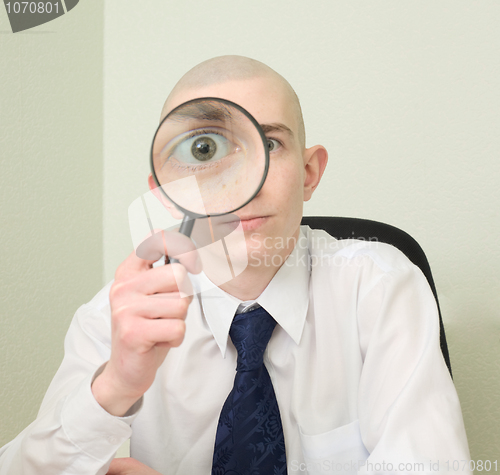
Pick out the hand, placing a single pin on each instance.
(147, 319)
(129, 466)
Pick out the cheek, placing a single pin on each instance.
(286, 184)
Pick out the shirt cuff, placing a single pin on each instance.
(90, 427)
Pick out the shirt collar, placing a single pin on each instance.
(286, 298)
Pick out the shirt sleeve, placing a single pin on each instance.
(72, 433)
(410, 416)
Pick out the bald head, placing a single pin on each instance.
(235, 68)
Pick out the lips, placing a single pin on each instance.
(249, 218)
(250, 223)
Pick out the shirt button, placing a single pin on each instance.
(112, 440)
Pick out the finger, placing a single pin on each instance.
(129, 466)
(164, 279)
(145, 333)
(170, 332)
(154, 248)
(169, 305)
(120, 466)
(132, 266)
(173, 245)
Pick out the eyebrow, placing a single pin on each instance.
(276, 127)
(215, 112)
(210, 111)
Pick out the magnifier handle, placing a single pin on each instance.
(186, 229)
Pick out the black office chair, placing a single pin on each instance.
(356, 228)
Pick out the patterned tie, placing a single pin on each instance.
(249, 439)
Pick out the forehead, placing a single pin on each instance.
(265, 98)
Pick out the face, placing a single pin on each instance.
(271, 220)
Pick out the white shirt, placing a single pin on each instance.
(355, 363)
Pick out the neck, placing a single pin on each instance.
(250, 283)
(257, 275)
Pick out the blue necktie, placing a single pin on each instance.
(249, 439)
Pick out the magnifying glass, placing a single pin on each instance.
(210, 158)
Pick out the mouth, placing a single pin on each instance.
(225, 224)
(250, 223)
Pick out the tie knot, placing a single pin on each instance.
(250, 333)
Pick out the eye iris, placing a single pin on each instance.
(203, 149)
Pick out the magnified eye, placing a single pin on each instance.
(203, 146)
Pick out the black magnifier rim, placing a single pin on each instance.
(254, 122)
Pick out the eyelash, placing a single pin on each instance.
(197, 167)
(277, 140)
(197, 132)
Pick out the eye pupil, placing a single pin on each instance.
(203, 148)
(270, 144)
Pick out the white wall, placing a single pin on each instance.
(50, 198)
(405, 97)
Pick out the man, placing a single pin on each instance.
(354, 359)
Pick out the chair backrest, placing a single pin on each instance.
(365, 229)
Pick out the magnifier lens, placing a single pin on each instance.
(210, 157)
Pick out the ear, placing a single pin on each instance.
(155, 189)
(315, 160)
